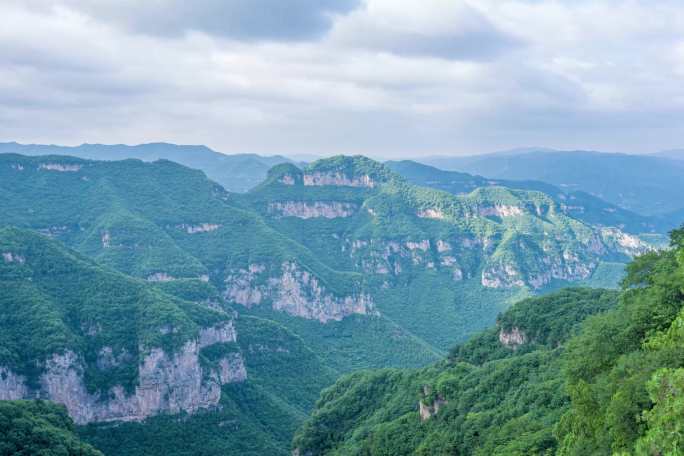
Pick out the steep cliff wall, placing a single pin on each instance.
(293, 290)
(167, 382)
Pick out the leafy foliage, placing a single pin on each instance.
(492, 399)
(39, 428)
(610, 385)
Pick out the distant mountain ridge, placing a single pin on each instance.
(645, 184)
(580, 205)
(236, 173)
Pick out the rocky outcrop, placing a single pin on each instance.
(160, 277)
(12, 386)
(500, 210)
(167, 382)
(429, 408)
(501, 276)
(287, 179)
(394, 257)
(200, 228)
(625, 243)
(60, 167)
(10, 257)
(294, 291)
(338, 179)
(312, 209)
(106, 239)
(512, 338)
(567, 266)
(435, 214)
(54, 231)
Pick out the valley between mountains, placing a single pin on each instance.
(169, 315)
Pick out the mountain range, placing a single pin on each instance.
(156, 304)
(645, 184)
(236, 173)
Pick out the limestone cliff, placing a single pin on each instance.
(312, 209)
(293, 290)
(167, 382)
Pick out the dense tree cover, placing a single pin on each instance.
(626, 361)
(610, 385)
(492, 399)
(150, 219)
(53, 299)
(39, 428)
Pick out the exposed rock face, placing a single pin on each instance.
(381, 256)
(106, 240)
(500, 210)
(167, 382)
(435, 214)
(501, 276)
(201, 228)
(54, 231)
(64, 168)
(160, 277)
(625, 243)
(241, 286)
(567, 266)
(287, 179)
(10, 257)
(313, 209)
(512, 338)
(12, 386)
(338, 179)
(428, 410)
(295, 291)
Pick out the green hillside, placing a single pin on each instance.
(123, 278)
(551, 378)
(56, 302)
(346, 235)
(39, 428)
(173, 227)
(235, 172)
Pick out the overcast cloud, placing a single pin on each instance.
(387, 78)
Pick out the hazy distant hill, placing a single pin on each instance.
(581, 205)
(237, 173)
(644, 184)
(674, 154)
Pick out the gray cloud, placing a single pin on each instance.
(390, 78)
(463, 33)
(236, 19)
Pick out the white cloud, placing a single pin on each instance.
(390, 78)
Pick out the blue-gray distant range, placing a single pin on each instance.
(641, 193)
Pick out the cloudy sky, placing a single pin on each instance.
(388, 78)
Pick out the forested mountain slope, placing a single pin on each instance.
(539, 383)
(113, 348)
(346, 242)
(152, 293)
